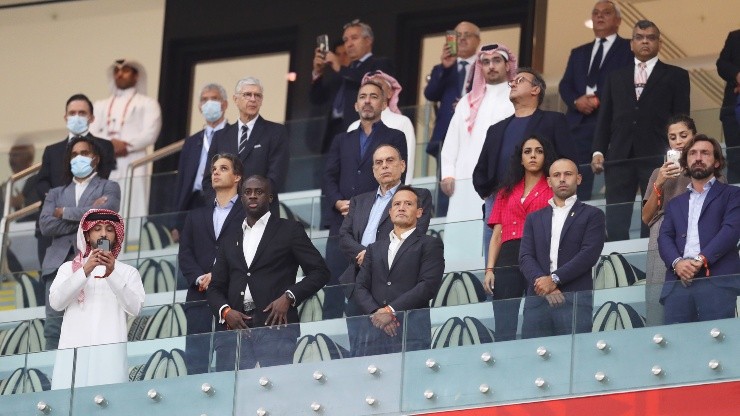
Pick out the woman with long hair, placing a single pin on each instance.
(524, 190)
(665, 183)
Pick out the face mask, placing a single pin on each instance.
(211, 110)
(77, 124)
(81, 166)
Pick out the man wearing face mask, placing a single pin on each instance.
(62, 211)
(194, 154)
(78, 114)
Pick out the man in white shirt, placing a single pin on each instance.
(560, 245)
(253, 282)
(399, 274)
(131, 121)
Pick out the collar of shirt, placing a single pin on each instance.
(250, 125)
(609, 41)
(125, 93)
(650, 64)
(71, 136)
(210, 130)
(364, 57)
(390, 192)
(372, 130)
(707, 186)
(229, 204)
(470, 60)
(569, 202)
(86, 180)
(260, 222)
(403, 238)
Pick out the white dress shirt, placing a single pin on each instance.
(396, 244)
(81, 185)
(559, 215)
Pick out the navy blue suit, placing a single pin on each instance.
(549, 124)
(631, 134)
(719, 232)
(581, 241)
(187, 170)
(198, 248)
(573, 86)
(410, 282)
(266, 154)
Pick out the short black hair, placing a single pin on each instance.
(266, 181)
(681, 118)
(236, 164)
(79, 97)
(537, 81)
(407, 188)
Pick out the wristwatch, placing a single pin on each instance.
(290, 296)
(555, 279)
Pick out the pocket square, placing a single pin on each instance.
(256, 146)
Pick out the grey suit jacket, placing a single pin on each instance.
(64, 230)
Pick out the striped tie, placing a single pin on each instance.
(640, 79)
(243, 139)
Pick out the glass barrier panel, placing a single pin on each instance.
(23, 247)
(27, 385)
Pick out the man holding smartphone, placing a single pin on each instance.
(338, 84)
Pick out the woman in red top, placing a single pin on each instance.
(524, 190)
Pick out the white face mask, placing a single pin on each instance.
(77, 124)
(211, 110)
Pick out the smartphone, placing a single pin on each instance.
(673, 156)
(322, 42)
(451, 40)
(104, 244)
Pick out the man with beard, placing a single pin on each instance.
(698, 238)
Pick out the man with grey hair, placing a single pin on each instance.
(340, 84)
(192, 165)
(583, 82)
(636, 103)
(261, 145)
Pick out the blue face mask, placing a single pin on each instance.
(77, 124)
(211, 110)
(81, 166)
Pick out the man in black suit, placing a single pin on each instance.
(577, 232)
(261, 145)
(369, 220)
(78, 114)
(253, 283)
(583, 82)
(399, 274)
(340, 84)
(728, 67)
(204, 230)
(527, 94)
(194, 155)
(349, 163)
(630, 132)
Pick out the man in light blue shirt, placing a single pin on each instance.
(698, 240)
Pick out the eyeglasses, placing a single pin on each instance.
(640, 38)
(495, 60)
(519, 80)
(250, 95)
(465, 35)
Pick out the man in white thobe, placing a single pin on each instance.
(132, 121)
(486, 104)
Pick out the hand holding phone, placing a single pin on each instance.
(104, 244)
(322, 43)
(451, 41)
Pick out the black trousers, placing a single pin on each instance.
(509, 287)
(623, 177)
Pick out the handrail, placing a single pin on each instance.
(9, 217)
(168, 150)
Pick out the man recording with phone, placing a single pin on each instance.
(338, 84)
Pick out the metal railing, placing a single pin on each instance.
(9, 217)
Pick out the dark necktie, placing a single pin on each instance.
(461, 77)
(593, 73)
(243, 139)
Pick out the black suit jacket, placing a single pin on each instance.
(199, 244)
(728, 65)
(409, 283)
(627, 127)
(549, 124)
(284, 246)
(354, 224)
(573, 83)
(325, 88)
(53, 172)
(581, 241)
(347, 175)
(187, 169)
(266, 154)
